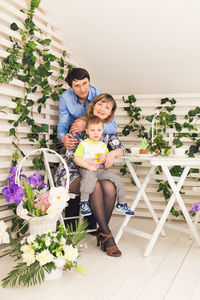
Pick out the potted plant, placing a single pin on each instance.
(159, 146)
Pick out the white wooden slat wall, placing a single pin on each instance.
(148, 104)
(10, 13)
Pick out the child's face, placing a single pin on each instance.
(95, 131)
(102, 109)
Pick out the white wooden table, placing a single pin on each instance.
(165, 163)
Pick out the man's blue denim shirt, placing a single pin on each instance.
(70, 109)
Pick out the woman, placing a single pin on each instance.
(102, 200)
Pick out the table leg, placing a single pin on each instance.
(181, 203)
(141, 192)
(166, 211)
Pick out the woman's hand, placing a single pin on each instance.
(68, 141)
(79, 125)
(110, 157)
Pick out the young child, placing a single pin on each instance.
(93, 148)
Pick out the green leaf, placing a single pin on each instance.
(12, 132)
(164, 100)
(35, 3)
(14, 27)
(39, 108)
(45, 42)
(45, 128)
(15, 155)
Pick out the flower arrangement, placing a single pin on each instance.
(31, 193)
(42, 254)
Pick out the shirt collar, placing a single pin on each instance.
(93, 142)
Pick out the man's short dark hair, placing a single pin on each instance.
(77, 74)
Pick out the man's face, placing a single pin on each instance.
(81, 88)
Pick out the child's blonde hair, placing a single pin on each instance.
(104, 98)
(94, 120)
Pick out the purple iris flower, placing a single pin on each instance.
(195, 208)
(13, 193)
(13, 171)
(35, 180)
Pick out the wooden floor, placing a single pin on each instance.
(172, 271)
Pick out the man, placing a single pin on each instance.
(73, 104)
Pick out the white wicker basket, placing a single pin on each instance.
(42, 224)
(38, 225)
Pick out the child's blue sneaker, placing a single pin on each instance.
(124, 209)
(84, 208)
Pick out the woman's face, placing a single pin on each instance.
(102, 109)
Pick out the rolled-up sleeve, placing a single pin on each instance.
(110, 127)
(113, 142)
(64, 118)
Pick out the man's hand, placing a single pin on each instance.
(68, 141)
(79, 125)
(109, 160)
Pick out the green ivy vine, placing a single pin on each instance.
(164, 119)
(30, 61)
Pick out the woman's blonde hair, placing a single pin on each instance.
(104, 98)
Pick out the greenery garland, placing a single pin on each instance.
(31, 62)
(165, 118)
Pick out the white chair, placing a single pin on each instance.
(51, 156)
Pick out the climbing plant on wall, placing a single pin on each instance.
(30, 61)
(163, 119)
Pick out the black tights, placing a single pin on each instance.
(102, 202)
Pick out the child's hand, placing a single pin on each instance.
(93, 165)
(102, 158)
(92, 168)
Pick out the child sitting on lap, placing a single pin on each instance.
(93, 148)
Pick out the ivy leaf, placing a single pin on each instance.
(30, 102)
(12, 132)
(39, 108)
(15, 155)
(55, 96)
(14, 26)
(45, 128)
(164, 100)
(34, 89)
(45, 42)
(178, 127)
